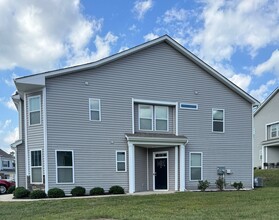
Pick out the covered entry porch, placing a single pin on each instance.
(156, 162)
(270, 154)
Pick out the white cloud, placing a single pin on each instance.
(8, 103)
(10, 81)
(241, 80)
(11, 136)
(271, 65)
(103, 49)
(123, 48)
(141, 7)
(263, 91)
(36, 34)
(150, 36)
(232, 25)
(134, 28)
(175, 15)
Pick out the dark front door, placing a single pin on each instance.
(161, 174)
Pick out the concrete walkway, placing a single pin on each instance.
(9, 197)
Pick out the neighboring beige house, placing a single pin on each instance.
(266, 133)
(7, 168)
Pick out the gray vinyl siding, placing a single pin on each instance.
(141, 169)
(268, 114)
(35, 133)
(158, 73)
(21, 175)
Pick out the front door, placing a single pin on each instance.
(161, 171)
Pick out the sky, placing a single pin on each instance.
(239, 38)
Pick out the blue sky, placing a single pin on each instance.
(239, 38)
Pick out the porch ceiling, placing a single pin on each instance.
(156, 139)
(272, 142)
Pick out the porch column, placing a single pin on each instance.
(131, 167)
(182, 167)
(176, 168)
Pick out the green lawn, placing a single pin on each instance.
(256, 204)
(270, 177)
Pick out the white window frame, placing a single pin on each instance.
(190, 166)
(152, 117)
(99, 110)
(218, 109)
(29, 112)
(31, 178)
(73, 167)
(276, 124)
(161, 118)
(116, 161)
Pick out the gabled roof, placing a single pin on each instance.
(6, 155)
(267, 100)
(38, 80)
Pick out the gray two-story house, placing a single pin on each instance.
(154, 117)
(266, 134)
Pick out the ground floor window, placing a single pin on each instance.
(195, 166)
(64, 166)
(121, 161)
(36, 166)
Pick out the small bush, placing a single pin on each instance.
(116, 190)
(55, 193)
(11, 190)
(97, 191)
(203, 185)
(237, 185)
(220, 183)
(21, 192)
(78, 191)
(38, 194)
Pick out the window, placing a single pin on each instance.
(36, 166)
(6, 163)
(161, 118)
(64, 166)
(195, 166)
(94, 109)
(218, 120)
(121, 161)
(146, 117)
(274, 130)
(189, 106)
(34, 110)
(148, 123)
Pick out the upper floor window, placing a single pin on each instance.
(218, 124)
(274, 130)
(6, 163)
(36, 166)
(34, 110)
(94, 109)
(148, 122)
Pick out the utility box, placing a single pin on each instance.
(258, 182)
(221, 170)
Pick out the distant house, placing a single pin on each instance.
(266, 134)
(7, 165)
(154, 117)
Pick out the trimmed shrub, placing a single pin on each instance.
(78, 191)
(55, 193)
(97, 191)
(237, 185)
(38, 194)
(116, 190)
(21, 192)
(11, 190)
(220, 183)
(203, 185)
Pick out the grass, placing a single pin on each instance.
(257, 204)
(270, 177)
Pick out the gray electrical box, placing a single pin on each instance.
(258, 182)
(221, 170)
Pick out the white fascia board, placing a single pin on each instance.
(156, 140)
(267, 100)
